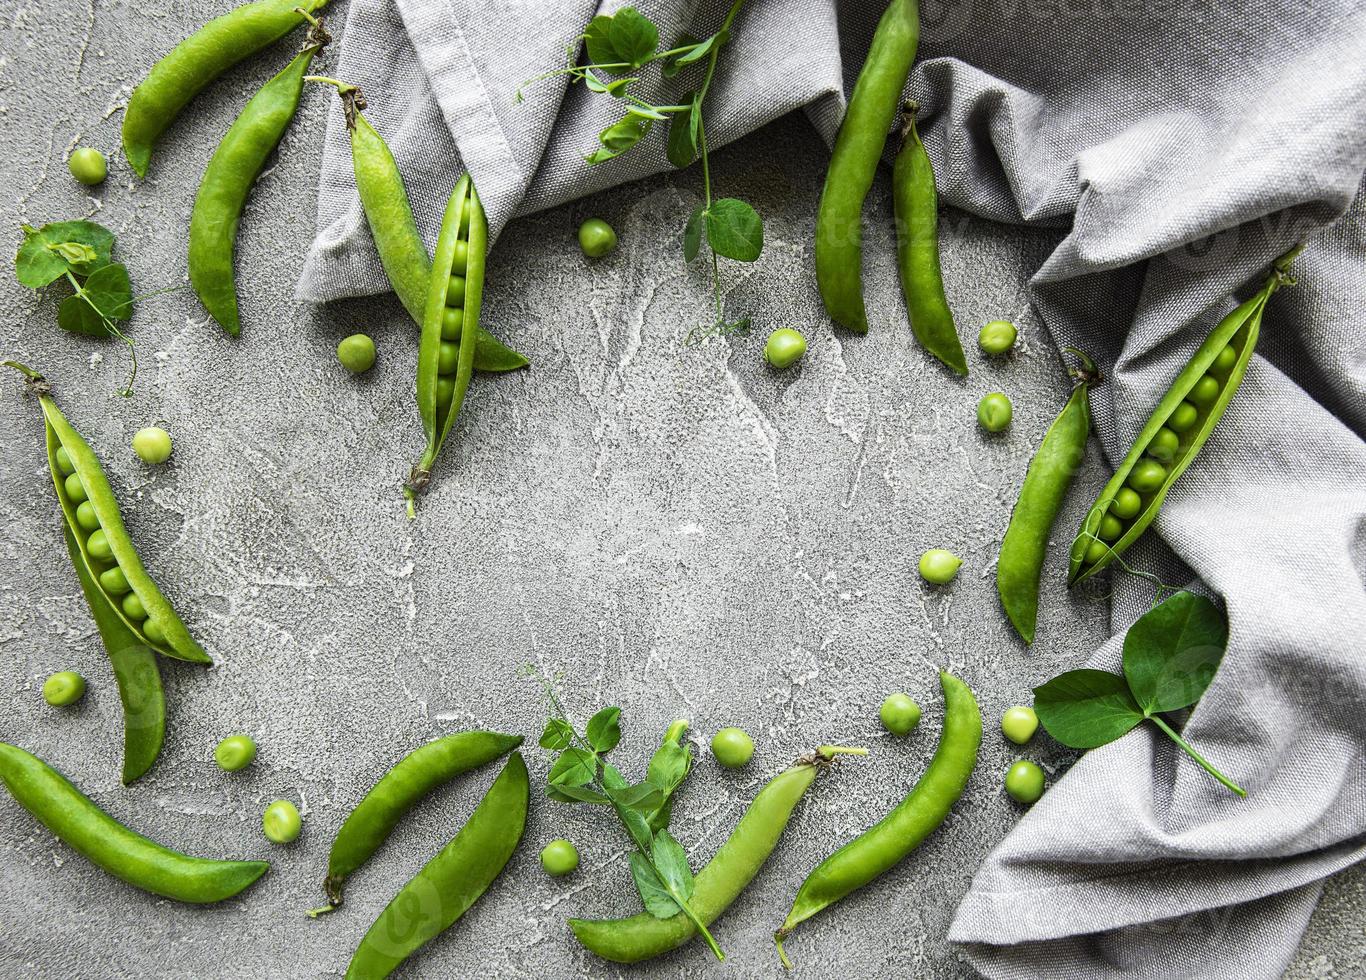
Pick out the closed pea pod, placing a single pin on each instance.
(105, 842)
(916, 205)
(1212, 376)
(853, 163)
(229, 177)
(168, 634)
(397, 792)
(196, 61)
(452, 881)
(887, 842)
(1050, 473)
(716, 887)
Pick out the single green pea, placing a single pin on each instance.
(1019, 724)
(356, 353)
(1024, 782)
(455, 292)
(1147, 475)
(1126, 504)
(994, 411)
(64, 463)
(1183, 417)
(235, 752)
(133, 608)
(997, 337)
(1205, 392)
(113, 581)
(785, 347)
(452, 321)
(1224, 361)
(939, 567)
(152, 629)
(86, 516)
(1110, 528)
(98, 545)
(732, 747)
(559, 857)
(75, 489)
(899, 714)
(1165, 445)
(152, 444)
(88, 165)
(281, 822)
(445, 388)
(1095, 551)
(460, 258)
(63, 688)
(447, 358)
(596, 238)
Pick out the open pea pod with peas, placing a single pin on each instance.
(1178, 429)
(103, 547)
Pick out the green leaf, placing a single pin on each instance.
(644, 796)
(604, 732)
(45, 255)
(636, 825)
(76, 315)
(109, 290)
(646, 112)
(735, 230)
(682, 144)
(658, 902)
(669, 766)
(671, 864)
(558, 734)
(619, 137)
(1086, 708)
(703, 49)
(692, 233)
(597, 40)
(671, 66)
(576, 794)
(574, 767)
(612, 777)
(633, 36)
(1172, 652)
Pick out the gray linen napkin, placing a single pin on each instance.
(1185, 145)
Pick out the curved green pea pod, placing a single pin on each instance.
(228, 180)
(122, 852)
(853, 163)
(384, 199)
(716, 887)
(198, 60)
(916, 206)
(886, 843)
(452, 881)
(135, 671)
(398, 791)
(1050, 473)
(1238, 331)
(177, 641)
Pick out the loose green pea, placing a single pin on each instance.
(455, 292)
(86, 516)
(452, 322)
(1205, 391)
(596, 238)
(939, 567)
(732, 747)
(1024, 782)
(281, 822)
(1183, 417)
(1224, 361)
(64, 461)
(75, 489)
(559, 857)
(1095, 551)
(1147, 475)
(235, 752)
(994, 411)
(152, 444)
(88, 165)
(151, 629)
(1110, 528)
(98, 545)
(63, 688)
(356, 353)
(997, 337)
(447, 358)
(460, 258)
(1019, 724)
(133, 608)
(785, 347)
(1126, 504)
(899, 714)
(1164, 445)
(113, 581)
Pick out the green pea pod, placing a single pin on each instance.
(135, 671)
(916, 206)
(887, 842)
(853, 163)
(228, 179)
(1179, 427)
(1050, 473)
(173, 639)
(198, 60)
(398, 791)
(102, 840)
(384, 200)
(452, 881)
(719, 884)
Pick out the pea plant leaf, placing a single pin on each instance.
(561, 793)
(693, 231)
(604, 731)
(1084, 709)
(619, 137)
(702, 50)
(645, 797)
(633, 36)
(48, 253)
(76, 315)
(671, 66)
(636, 825)
(735, 230)
(681, 148)
(597, 41)
(658, 902)
(671, 863)
(558, 734)
(1172, 651)
(574, 767)
(612, 777)
(109, 291)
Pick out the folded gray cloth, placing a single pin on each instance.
(1186, 145)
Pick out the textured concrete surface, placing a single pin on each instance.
(673, 529)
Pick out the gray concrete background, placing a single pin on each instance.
(674, 529)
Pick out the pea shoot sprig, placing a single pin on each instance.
(581, 774)
(624, 43)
